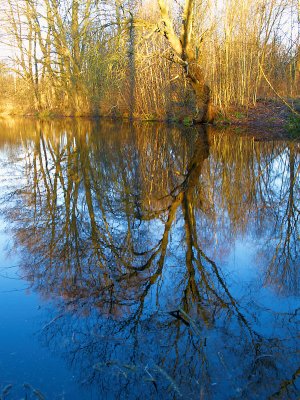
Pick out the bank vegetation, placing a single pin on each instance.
(116, 58)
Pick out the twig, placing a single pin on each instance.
(277, 94)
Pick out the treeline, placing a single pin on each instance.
(75, 57)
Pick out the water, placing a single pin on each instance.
(147, 262)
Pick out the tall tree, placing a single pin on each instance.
(185, 55)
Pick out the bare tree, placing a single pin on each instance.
(185, 55)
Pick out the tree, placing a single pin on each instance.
(185, 55)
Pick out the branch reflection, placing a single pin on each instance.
(121, 230)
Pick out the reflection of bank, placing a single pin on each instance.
(86, 219)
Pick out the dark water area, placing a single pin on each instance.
(147, 262)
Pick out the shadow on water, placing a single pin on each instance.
(129, 234)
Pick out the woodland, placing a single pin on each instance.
(149, 60)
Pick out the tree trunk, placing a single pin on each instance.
(185, 56)
(204, 111)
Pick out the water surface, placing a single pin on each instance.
(145, 261)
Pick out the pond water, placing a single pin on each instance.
(145, 261)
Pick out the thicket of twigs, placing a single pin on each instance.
(90, 57)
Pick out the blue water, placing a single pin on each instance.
(145, 261)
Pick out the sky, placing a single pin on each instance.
(5, 50)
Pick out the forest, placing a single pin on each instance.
(149, 60)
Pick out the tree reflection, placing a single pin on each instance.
(118, 231)
(283, 267)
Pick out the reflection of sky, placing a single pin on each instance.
(22, 358)
(280, 172)
(23, 312)
(245, 272)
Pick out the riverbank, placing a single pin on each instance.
(271, 117)
(268, 117)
